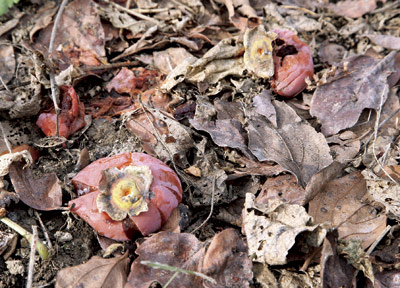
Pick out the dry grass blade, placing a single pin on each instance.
(176, 269)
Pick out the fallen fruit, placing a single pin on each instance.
(71, 118)
(126, 193)
(293, 64)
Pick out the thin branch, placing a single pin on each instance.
(377, 240)
(46, 235)
(4, 84)
(376, 128)
(212, 206)
(51, 73)
(5, 138)
(31, 266)
(133, 13)
(158, 265)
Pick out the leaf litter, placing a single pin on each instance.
(311, 182)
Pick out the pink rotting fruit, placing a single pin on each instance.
(293, 64)
(125, 194)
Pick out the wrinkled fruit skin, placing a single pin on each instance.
(165, 186)
(293, 64)
(71, 118)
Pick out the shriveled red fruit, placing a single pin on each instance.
(293, 64)
(71, 118)
(135, 192)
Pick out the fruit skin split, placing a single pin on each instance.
(165, 187)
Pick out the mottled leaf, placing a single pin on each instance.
(225, 260)
(335, 272)
(44, 193)
(385, 41)
(97, 272)
(339, 203)
(359, 83)
(271, 230)
(294, 144)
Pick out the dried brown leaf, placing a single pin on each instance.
(340, 203)
(293, 144)
(97, 272)
(7, 62)
(43, 194)
(384, 191)
(385, 41)
(167, 60)
(283, 187)
(220, 61)
(225, 260)
(271, 230)
(335, 272)
(82, 38)
(359, 83)
(353, 8)
(331, 53)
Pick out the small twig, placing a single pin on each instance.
(32, 257)
(159, 138)
(381, 124)
(111, 66)
(376, 128)
(5, 139)
(158, 265)
(212, 206)
(46, 235)
(301, 9)
(132, 12)
(348, 218)
(377, 240)
(4, 84)
(51, 73)
(40, 247)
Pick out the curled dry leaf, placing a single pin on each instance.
(225, 260)
(271, 230)
(71, 118)
(34, 153)
(44, 193)
(258, 51)
(97, 272)
(293, 144)
(219, 62)
(109, 187)
(353, 8)
(7, 159)
(226, 130)
(293, 64)
(360, 82)
(340, 203)
(167, 60)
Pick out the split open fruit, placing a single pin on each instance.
(293, 64)
(125, 194)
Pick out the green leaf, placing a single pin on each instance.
(5, 4)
